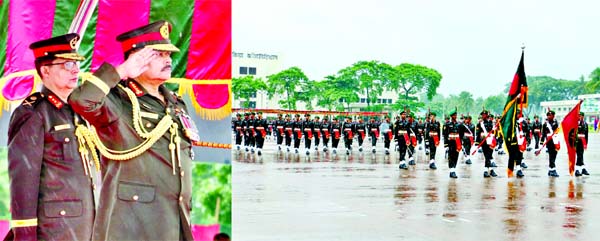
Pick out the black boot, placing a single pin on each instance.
(585, 172)
(577, 173)
(403, 166)
(468, 162)
(493, 173)
(432, 166)
(520, 174)
(523, 165)
(486, 174)
(453, 175)
(411, 162)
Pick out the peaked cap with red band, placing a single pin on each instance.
(63, 46)
(154, 35)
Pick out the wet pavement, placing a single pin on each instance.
(366, 197)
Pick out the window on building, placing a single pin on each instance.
(341, 100)
(363, 100)
(253, 95)
(389, 101)
(378, 101)
(243, 70)
(252, 70)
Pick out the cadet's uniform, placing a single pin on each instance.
(252, 132)
(580, 146)
(373, 128)
(280, 131)
(238, 129)
(143, 187)
(349, 131)
(485, 128)
(325, 133)
(246, 131)
(361, 129)
(307, 127)
(387, 129)
(288, 129)
(432, 130)
(537, 132)
(401, 135)
(261, 127)
(317, 133)
(51, 187)
(553, 145)
(452, 141)
(297, 133)
(467, 131)
(336, 132)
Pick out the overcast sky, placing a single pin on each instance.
(474, 44)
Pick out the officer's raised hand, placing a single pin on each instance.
(137, 63)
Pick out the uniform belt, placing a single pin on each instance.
(324, 129)
(468, 134)
(453, 135)
(307, 129)
(581, 135)
(536, 130)
(336, 130)
(238, 128)
(279, 127)
(361, 130)
(373, 129)
(401, 132)
(288, 128)
(347, 129)
(260, 128)
(431, 133)
(297, 129)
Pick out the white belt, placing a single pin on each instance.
(453, 135)
(288, 128)
(401, 132)
(536, 130)
(373, 129)
(581, 135)
(336, 130)
(347, 129)
(431, 133)
(238, 128)
(279, 127)
(468, 134)
(260, 128)
(307, 129)
(297, 129)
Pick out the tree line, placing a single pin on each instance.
(415, 85)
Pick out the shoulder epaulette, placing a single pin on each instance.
(32, 100)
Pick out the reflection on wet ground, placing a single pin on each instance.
(282, 196)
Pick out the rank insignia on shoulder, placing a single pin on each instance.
(136, 88)
(32, 99)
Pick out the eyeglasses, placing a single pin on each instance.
(69, 65)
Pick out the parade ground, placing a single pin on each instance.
(280, 196)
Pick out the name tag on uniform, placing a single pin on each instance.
(149, 115)
(62, 127)
(189, 127)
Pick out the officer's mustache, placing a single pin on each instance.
(167, 67)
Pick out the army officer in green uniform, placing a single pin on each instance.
(51, 185)
(145, 137)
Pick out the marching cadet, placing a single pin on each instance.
(260, 126)
(387, 129)
(237, 127)
(288, 129)
(467, 131)
(487, 142)
(581, 145)
(297, 125)
(401, 131)
(317, 132)
(536, 126)
(432, 130)
(373, 128)
(552, 142)
(421, 133)
(452, 141)
(247, 133)
(325, 132)
(526, 129)
(145, 135)
(308, 127)
(497, 137)
(349, 130)
(279, 130)
(336, 130)
(446, 123)
(252, 129)
(51, 177)
(411, 128)
(361, 128)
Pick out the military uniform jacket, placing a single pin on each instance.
(536, 128)
(297, 125)
(260, 125)
(400, 127)
(146, 197)
(582, 131)
(432, 128)
(371, 126)
(349, 130)
(279, 127)
(288, 128)
(451, 129)
(467, 130)
(361, 126)
(237, 127)
(308, 125)
(546, 131)
(250, 126)
(47, 178)
(489, 126)
(334, 127)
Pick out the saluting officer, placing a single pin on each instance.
(145, 136)
(581, 145)
(51, 181)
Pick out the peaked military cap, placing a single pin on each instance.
(154, 35)
(63, 46)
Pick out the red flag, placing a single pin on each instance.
(519, 85)
(569, 127)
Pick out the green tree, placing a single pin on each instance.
(371, 77)
(411, 79)
(593, 86)
(212, 187)
(246, 87)
(465, 102)
(288, 82)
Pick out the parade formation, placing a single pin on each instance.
(461, 138)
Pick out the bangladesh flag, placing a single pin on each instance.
(519, 84)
